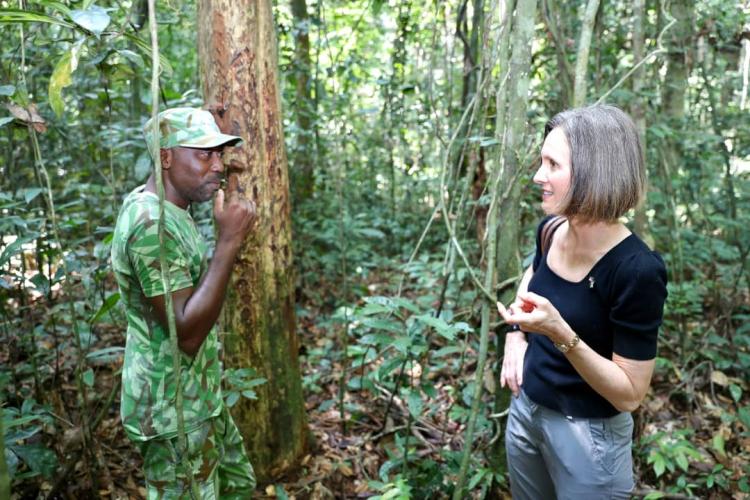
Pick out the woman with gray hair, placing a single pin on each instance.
(585, 319)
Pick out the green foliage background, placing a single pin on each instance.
(388, 316)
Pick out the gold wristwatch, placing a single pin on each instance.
(566, 346)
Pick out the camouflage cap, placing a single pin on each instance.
(188, 127)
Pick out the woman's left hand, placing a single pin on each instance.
(542, 317)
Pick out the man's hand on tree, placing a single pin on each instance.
(235, 216)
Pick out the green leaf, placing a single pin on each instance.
(88, 377)
(106, 354)
(25, 16)
(440, 326)
(232, 398)
(743, 413)
(406, 304)
(40, 460)
(658, 461)
(383, 324)
(402, 344)
(132, 57)
(14, 248)
(249, 394)
(280, 493)
(30, 193)
(146, 49)
(736, 392)
(718, 443)
(61, 78)
(477, 478)
(445, 351)
(108, 304)
(59, 7)
(682, 462)
(7, 90)
(654, 495)
(5, 120)
(414, 401)
(94, 19)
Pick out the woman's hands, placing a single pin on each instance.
(511, 373)
(534, 313)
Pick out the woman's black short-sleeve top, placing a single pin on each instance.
(616, 308)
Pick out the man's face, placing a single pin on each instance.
(194, 174)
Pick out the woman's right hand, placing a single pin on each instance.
(511, 373)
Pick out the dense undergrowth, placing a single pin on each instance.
(387, 313)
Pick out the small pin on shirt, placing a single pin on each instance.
(591, 282)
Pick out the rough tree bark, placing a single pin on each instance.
(239, 68)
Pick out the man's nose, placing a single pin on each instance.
(217, 163)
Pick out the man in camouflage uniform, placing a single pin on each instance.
(191, 147)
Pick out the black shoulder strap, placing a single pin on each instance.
(549, 230)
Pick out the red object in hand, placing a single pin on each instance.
(527, 307)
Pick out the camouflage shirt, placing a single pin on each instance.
(148, 384)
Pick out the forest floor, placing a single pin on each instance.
(688, 415)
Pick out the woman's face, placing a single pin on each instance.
(553, 175)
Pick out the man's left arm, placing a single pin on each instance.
(197, 308)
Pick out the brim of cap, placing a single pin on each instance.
(214, 141)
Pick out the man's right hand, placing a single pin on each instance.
(235, 216)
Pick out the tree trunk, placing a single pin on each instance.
(237, 49)
(303, 177)
(673, 109)
(511, 128)
(551, 15)
(582, 57)
(637, 108)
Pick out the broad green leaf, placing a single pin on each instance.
(414, 401)
(25, 16)
(132, 57)
(58, 6)
(477, 478)
(94, 19)
(406, 304)
(736, 392)
(249, 394)
(280, 493)
(718, 443)
(61, 78)
(146, 49)
(383, 324)
(440, 326)
(106, 354)
(654, 495)
(744, 414)
(7, 90)
(232, 398)
(5, 120)
(88, 377)
(14, 248)
(682, 462)
(402, 344)
(108, 304)
(30, 193)
(40, 460)
(445, 351)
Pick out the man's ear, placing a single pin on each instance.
(165, 155)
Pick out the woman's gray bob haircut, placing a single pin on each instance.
(608, 175)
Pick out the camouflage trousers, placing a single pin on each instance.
(216, 459)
